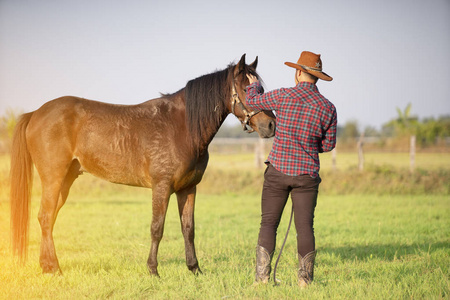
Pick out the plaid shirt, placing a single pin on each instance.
(306, 126)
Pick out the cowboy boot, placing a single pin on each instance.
(263, 268)
(306, 269)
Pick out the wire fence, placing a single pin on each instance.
(360, 147)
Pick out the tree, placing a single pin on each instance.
(371, 131)
(427, 132)
(430, 130)
(404, 125)
(349, 131)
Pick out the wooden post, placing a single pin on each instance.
(333, 159)
(361, 152)
(259, 153)
(412, 153)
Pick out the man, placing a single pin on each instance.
(306, 126)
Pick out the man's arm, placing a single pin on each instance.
(256, 99)
(329, 139)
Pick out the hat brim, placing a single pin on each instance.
(318, 74)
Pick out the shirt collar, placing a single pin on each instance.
(307, 85)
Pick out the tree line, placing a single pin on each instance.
(429, 132)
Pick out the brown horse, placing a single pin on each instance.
(160, 144)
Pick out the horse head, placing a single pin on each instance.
(262, 122)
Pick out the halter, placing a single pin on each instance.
(248, 115)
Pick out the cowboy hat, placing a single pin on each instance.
(311, 64)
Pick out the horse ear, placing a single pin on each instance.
(241, 64)
(254, 64)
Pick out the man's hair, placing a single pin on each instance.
(312, 77)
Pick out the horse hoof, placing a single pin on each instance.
(196, 271)
(153, 272)
(51, 271)
(50, 268)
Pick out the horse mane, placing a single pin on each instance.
(206, 102)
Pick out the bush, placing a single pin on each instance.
(378, 180)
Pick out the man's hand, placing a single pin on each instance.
(252, 78)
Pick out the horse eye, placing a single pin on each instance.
(245, 90)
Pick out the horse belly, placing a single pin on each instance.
(115, 172)
(117, 156)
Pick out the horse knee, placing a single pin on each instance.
(157, 229)
(45, 221)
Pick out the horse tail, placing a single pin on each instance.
(21, 175)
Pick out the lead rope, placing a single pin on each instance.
(282, 246)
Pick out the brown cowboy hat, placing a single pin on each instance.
(310, 63)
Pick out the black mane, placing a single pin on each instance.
(206, 98)
(206, 101)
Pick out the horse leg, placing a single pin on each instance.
(72, 174)
(47, 216)
(160, 202)
(54, 195)
(186, 205)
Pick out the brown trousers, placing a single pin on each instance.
(303, 190)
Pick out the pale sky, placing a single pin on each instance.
(382, 54)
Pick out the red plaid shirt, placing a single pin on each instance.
(306, 126)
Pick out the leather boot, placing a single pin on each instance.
(306, 269)
(263, 261)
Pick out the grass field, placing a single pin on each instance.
(370, 246)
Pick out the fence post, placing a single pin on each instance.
(333, 159)
(361, 152)
(259, 153)
(412, 153)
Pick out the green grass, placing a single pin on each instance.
(389, 247)
(370, 246)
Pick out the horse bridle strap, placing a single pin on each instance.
(248, 115)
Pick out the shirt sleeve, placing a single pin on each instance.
(258, 100)
(329, 139)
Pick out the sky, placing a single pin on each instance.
(382, 54)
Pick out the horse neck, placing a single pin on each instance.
(197, 140)
(207, 106)
(207, 137)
